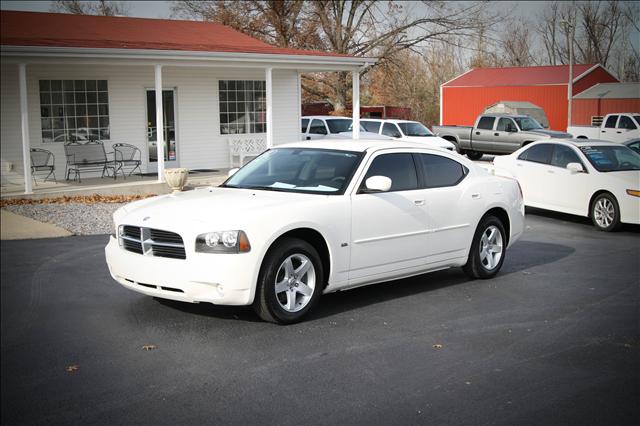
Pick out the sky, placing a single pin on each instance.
(162, 9)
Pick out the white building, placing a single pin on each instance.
(75, 77)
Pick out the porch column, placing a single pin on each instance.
(269, 95)
(159, 123)
(355, 104)
(24, 118)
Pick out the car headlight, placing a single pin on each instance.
(223, 242)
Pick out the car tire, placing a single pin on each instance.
(605, 212)
(290, 282)
(474, 155)
(488, 247)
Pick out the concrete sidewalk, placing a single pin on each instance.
(16, 227)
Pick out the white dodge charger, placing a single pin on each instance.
(317, 217)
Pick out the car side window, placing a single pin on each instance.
(399, 167)
(371, 126)
(317, 127)
(563, 155)
(506, 125)
(439, 171)
(611, 122)
(486, 123)
(390, 129)
(626, 123)
(540, 153)
(305, 123)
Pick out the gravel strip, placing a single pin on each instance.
(78, 218)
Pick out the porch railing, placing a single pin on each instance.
(242, 146)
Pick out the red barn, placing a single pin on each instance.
(466, 96)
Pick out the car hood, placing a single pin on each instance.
(630, 179)
(221, 206)
(550, 133)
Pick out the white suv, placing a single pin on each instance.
(332, 127)
(405, 130)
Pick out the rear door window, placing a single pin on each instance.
(611, 122)
(506, 125)
(486, 123)
(538, 154)
(439, 171)
(371, 126)
(399, 167)
(305, 123)
(317, 127)
(390, 129)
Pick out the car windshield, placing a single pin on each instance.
(527, 123)
(337, 125)
(308, 170)
(606, 158)
(413, 128)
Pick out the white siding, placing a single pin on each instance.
(200, 144)
(10, 133)
(286, 111)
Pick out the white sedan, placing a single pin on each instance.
(591, 178)
(317, 217)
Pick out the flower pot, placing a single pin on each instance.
(176, 178)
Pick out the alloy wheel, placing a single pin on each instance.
(295, 282)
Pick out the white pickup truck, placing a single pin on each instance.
(618, 127)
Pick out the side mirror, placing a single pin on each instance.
(232, 172)
(575, 168)
(378, 184)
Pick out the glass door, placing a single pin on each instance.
(170, 143)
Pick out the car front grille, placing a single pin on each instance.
(152, 242)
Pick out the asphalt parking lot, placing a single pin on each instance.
(553, 339)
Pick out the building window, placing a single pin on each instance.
(74, 110)
(243, 106)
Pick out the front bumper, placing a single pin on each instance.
(222, 279)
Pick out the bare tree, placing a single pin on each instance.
(100, 7)
(357, 27)
(517, 44)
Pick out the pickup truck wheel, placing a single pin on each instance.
(487, 249)
(605, 213)
(474, 155)
(290, 282)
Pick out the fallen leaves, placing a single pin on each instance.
(84, 199)
(149, 347)
(437, 346)
(72, 368)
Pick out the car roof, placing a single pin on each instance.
(359, 145)
(389, 120)
(324, 117)
(584, 142)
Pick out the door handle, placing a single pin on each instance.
(418, 202)
(603, 131)
(475, 196)
(618, 131)
(496, 134)
(518, 165)
(477, 133)
(550, 171)
(308, 138)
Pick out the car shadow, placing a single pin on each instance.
(580, 220)
(522, 256)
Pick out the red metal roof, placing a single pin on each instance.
(518, 76)
(67, 30)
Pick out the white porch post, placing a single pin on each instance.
(159, 123)
(269, 94)
(24, 118)
(355, 104)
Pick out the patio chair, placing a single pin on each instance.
(89, 156)
(42, 161)
(127, 156)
